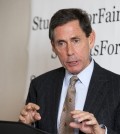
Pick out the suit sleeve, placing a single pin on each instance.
(116, 124)
(31, 97)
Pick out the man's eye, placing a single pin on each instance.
(76, 41)
(60, 43)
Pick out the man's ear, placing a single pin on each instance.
(53, 48)
(92, 39)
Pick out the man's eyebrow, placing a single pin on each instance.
(60, 40)
(76, 37)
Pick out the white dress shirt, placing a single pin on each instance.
(81, 90)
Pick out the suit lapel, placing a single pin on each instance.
(57, 87)
(97, 90)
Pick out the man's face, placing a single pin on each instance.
(72, 46)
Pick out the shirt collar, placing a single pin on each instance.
(83, 76)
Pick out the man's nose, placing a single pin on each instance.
(70, 49)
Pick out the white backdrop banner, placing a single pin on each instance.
(105, 19)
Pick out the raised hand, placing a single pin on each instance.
(29, 113)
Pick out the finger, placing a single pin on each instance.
(92, 121)
(37, 116)
(80, 114)
(86, 116)
(32, 106)
(23, 112)
(76, 120)
(26, 118)
(22, 119)
(75, 125)
(76, 112)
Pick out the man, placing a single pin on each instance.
(97, 99)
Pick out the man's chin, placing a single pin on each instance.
(74, 72)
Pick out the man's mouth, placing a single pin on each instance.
(72, 63)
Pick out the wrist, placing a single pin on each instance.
(102, 131)
(103, 128)
(99, 130)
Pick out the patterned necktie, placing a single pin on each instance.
(69, 105)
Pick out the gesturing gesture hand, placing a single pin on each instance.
(86, 122)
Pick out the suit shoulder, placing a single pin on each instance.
(52, 74)
(111, 73)
(106, 72)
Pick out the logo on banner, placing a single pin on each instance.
(40, 24)
(105, 16)
(105, 47)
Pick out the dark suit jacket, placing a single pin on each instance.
(103, 98)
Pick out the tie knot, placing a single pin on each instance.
(73, 80)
